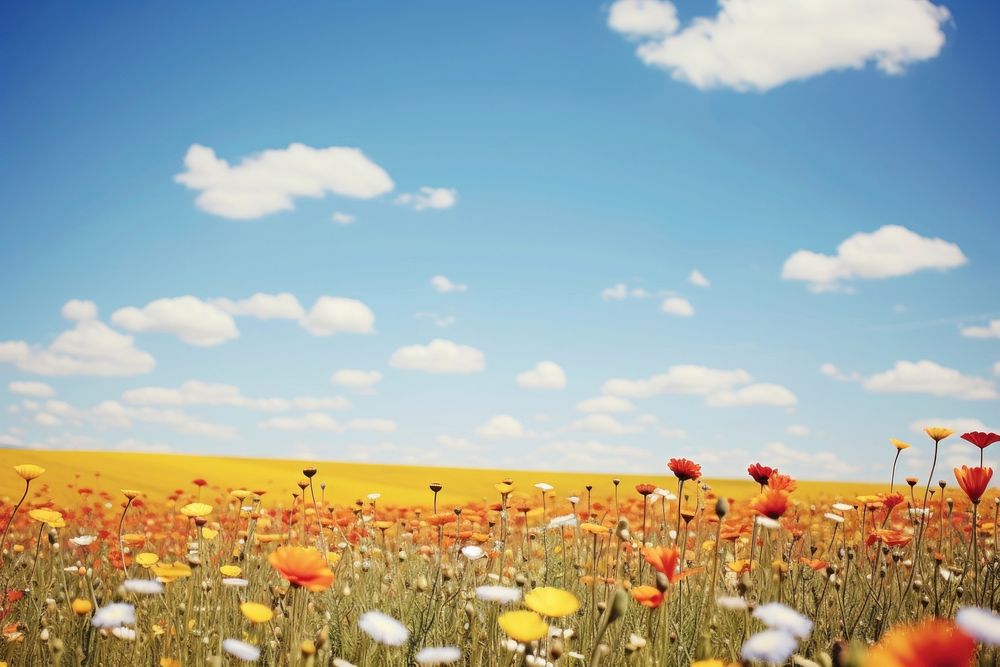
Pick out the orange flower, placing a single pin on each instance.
(684, 469)
(665, 561)
(780, 482)
(974, 481)
(647, 596)
(645, 489)
(302, 567)
(888, 537)
(935, 642)
(814, 564)
(772, 503)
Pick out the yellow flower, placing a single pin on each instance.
(550, 601)
(147, 559)
(51, 517)
(230, 571)
(194, 510)
(81, 606)
(256, 612)
(167, 573)
(170, 662)
(239, 494)
(29, 471)
(899, 444)
(209, 534)
(523, 626)
(594, 528)
(504, 488)
(712, 662)
(131, 494)
(938, 433)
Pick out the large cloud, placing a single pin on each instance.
(269, 181)
(89, 348)
(928, 377)
(439, 356)
(720, 387)
(762, 44)
(888, 252)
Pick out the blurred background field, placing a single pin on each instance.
(158, 475)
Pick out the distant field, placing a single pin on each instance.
(160, 474)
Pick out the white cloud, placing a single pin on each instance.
(358, 380)
(800, 462)
(77, 309)
(888, 252)
(112, 414)
(7, 440)
(442, 321)
(332, 314)
(590, 455)
(428, 197)
(797, 430)
(342, 218)
(991, 330)
(996, 368)
(603, 424)
(195, 392)
(698, 279)
(957, 424)
(136, 445)
(545, 375)
(643, 18)
(501, 426)
(283, 306)
(608, 404)
(762, 44)
(89, 348)
(720, 387)
(621, 291)
(683, 379)
(928, 377)
(754, 394)
(45, 419)
(319, 421)
(457, 444)
(443, 285)
(439, 356)
(28, 388)
(676, 305)
(189, 318)
(269, 181)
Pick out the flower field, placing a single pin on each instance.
(116, 560)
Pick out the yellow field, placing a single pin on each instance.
(157, 475)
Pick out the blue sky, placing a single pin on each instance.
(548, 158)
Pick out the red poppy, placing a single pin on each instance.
(934, 642)
(974, 481)
(199, 482)
(684, 469)
(980, 439)
(761, 473)
(772, 503)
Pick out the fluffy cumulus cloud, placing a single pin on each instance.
(429, 198)
(283, 306)
(342, 218)
(675, 305)
(928, 377)
(545, 375)
(720, 387)
(444, 285)
(332, 315)
(195, 392)
(189, 318)
(89, 348)
(888, 252)
(991, 330)
(698, 279)
(29, 388)
(319, 421)
(270, 181)
(757, 45)
(604, 425)
(112, 414)
(356, 379)
(501, 426)
(606, 404)
(439, 356)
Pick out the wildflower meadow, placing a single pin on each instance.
(664, 572)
